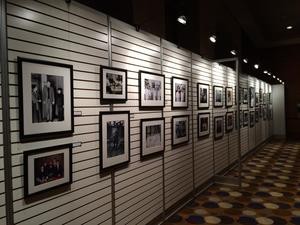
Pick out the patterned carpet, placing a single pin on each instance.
(270, 192)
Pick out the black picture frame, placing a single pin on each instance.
(184, 139)
(143, 141)
(200, 98)
(105, 119)
(228, 103)
(109, 98)
(201, 127)
(34, 178)
(245, 96)
(218, 103)
(151, 104)
(245, 118)
(229, 124)
(252, 119)
(252, 97)
(218, 127)
(175, 103)
(31, 72)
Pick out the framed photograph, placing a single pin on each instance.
(245, 96)
(152, 90)
(252, 97)
(203, 95)
(113, 84)
(114, 138)
(256, 99)
(180, 92)
(241, 118)
(252, 119)
(180, 130)
(203, 124)
(229, 121)
(229, 96)
(46, 99)
(219, 127)
(218, 96)
(152, 136)
(47, 168)
(245, 117)
(256, 115)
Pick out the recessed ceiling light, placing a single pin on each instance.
(274, 77)
(256, 66)
(233, 52)
(265, 71)
(245, 60)
(282, 82)
(289, 27)
(269, 73)
(182, 19)
(213, 38)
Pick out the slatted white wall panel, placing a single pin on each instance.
(252, 135)
(221, 156)
(263, 128)
(258, 126)
(203, 148)
(2, 176)
(233, 135)
(178, 161)
(139, 188)
(74, 35)
(244, 129)
(271, 121)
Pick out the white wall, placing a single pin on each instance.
(279, 126)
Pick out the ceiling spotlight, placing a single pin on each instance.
(256, 66)
(274, 77)
(213, 38)
(182, 19)
(233, 52)
(269, 73)
(245, 60)
(289, 27)
(265, 72)
(282, 82)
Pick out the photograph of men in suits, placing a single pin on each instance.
(48, 101)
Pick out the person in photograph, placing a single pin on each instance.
(157, 88)
(41, 176)
(147, 94)
(181, 129)
(177, 93)
(203, 95)
(219, 126)
(48, 101)
(182, 93)
(36, 105)
(59, 100)
(153, 136)
(57, 169)
(218, 96)
(204, 124)
(229, 96)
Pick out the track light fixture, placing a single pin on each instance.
(233, 52)
(182, 19)
(245, 60)
(213, 39)
(256, 66)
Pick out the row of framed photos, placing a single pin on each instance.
(254, 99)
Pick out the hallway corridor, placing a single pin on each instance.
(270, 192)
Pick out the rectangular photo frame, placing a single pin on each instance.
(218, 127)
(45, 99)
(180, 93)
(218, 96)
(203, 96)
(203, 125)
(113, 83)
(152, 90)
(180, 130)
(229, 121)
(229, 96)
(246, 117)
(152, 136)
(46, 169)
(114, 139)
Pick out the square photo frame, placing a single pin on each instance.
(152, 90)
(180, 92)
(218, 96)
(203, 124)
(46, 169)
(152, 136)
(114, 139)
(180, 130)
(218, 127)
(46, 99)
(203, 96)
(113, 85)
(229, 96)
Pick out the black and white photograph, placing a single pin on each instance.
(229, 96)
(113, 85)
(203, 96)
(152, 136)
(256, 115)
(252, 97)
(256, 99)
(179, 92)
(218, 96)
(180, 130)
(46, 99)
(114, 138)
(152, 90)
(252, 118)
(203, 124)
(245, 96)
(218, 127)
(246, 117)
(47, 168)
(229, 121)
